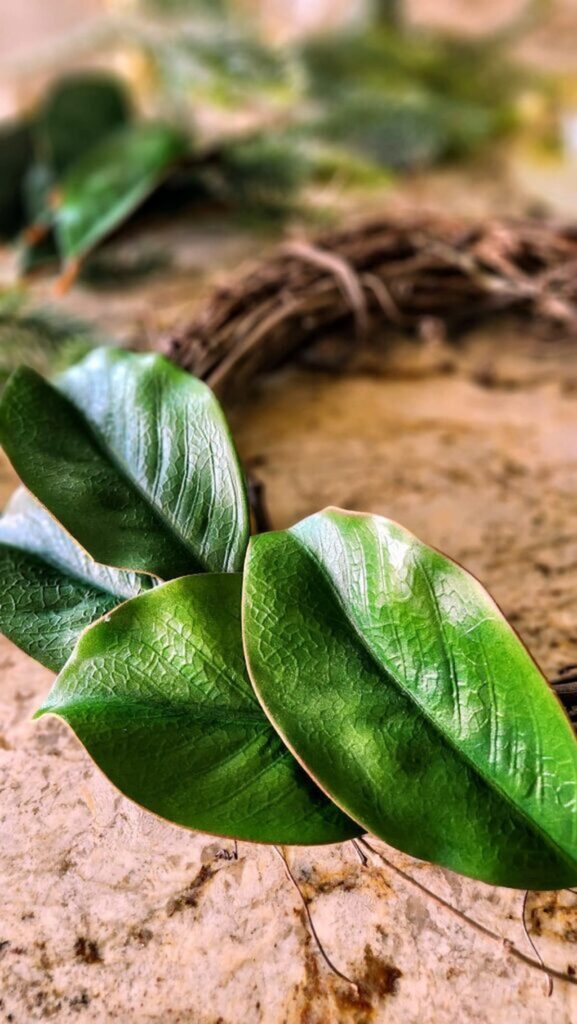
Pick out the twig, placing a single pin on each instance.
(362, 856)
(313, 930)
(565, 687)
(344, 274)
(549, 990)
(258, 506)
(470, 921)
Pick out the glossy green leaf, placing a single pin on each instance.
(133, 456)
(108, 184)
(51, 590)
(78, 111)
(394, 677)
(159, 695)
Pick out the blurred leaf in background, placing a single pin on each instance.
(409, 99)
(260, 175)
(16, 154)
(78, 111)
(111, 181)
(227, 68)
(43, 338)
(247, 125)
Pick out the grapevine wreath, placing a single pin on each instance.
(302, 686)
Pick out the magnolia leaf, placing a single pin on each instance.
(111, 181)
(158, 693)
(78, 111)
(398, 683)
(133, 456)
(51, 590)
(16, 153)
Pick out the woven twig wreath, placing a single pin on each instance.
(421, 275)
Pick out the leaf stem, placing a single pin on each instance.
(533, 945)
(361, 855)
(313, 930)
(258, 505)
(470, 921)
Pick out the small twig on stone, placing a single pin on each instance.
(361, 855)
(470, 921)
(313, 930)
(549, 990)
(258, 506)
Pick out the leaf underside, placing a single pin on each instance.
(397, 682)
(158, 694)
(51, 590)
(134, 458)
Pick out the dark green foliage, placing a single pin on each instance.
(410, 100)
(260, 176)
(375, 100)
(16, 152)
(78, 111)
(51, 589)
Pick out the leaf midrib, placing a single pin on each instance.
(489, 781)
(120, 466)
(169, 709)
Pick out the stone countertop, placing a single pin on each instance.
(111, 914)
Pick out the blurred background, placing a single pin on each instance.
(280, 110)
(147, 145)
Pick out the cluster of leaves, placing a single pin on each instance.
(302, 686)
(358, 105)
(81, 166)
(410, 100)
(397, 99)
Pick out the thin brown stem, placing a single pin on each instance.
(362, 856)
(310, 921)
(549, 990)
(470, 921)
(258, 506)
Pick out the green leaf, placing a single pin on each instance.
(16, 153)
(51, 590)
(133, 456)
(44, 337)
(38, 245)
(111, 181)
(158, 694)
(397, 681)
(79, 111)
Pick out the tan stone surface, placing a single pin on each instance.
(109, 914)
